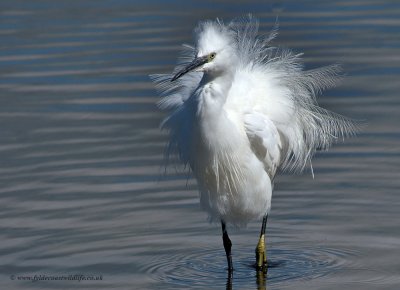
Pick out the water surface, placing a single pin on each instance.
(80, 151)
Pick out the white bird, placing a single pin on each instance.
(241, 111)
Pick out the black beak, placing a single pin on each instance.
(198, 61)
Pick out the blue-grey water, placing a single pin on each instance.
(80, 152)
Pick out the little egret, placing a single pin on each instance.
(241, 111)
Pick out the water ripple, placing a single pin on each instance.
(207, 266)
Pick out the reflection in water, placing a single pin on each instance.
(261, 280)
(229, 281)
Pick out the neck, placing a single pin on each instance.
(211, 116)
(222, 79)
(213, 93)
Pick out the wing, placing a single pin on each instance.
(273, 82)
(264, 139)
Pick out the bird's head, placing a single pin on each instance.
(215, 51)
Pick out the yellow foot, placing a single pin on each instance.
(261, 256)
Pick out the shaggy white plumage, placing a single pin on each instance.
(241, 111)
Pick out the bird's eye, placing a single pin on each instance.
(211, 56)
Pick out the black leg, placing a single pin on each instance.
(264, 225)
(227, 246)
(261, 255)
